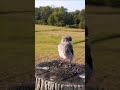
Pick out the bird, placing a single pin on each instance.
(65, 48)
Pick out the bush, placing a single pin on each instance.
(40, 22)
(82, 25)
(72, 26)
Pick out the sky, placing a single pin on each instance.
(71, 5)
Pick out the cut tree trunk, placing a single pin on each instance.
(59, 75)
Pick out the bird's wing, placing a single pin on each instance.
(69, 48)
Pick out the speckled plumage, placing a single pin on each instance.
(65, 48)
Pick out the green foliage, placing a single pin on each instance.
(59, 17)
(51, 20)
(42, 22)
(82, 19)
(72, 26)
(82, 25)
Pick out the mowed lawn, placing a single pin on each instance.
(47, 39)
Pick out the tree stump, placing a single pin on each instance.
(59, 75)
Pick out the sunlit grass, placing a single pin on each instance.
(47, 40)
(54, 28)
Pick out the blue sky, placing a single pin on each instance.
(71, 5)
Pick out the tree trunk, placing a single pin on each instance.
(49, 85)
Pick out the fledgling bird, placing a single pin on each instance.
(65, 48)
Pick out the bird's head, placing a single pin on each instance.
(69, 38)
(66, 39)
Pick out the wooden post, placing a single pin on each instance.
(58, 75)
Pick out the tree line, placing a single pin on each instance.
(59, 16)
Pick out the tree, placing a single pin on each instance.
(59, 16)
(82, 24)
(51, 20)
(45, 13)
(77, 17)
(82, 19)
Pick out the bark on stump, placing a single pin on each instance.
(58, 75)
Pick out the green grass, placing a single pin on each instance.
(47, 39)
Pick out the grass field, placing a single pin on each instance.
(47, 39)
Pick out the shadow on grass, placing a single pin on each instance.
(79, 42)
